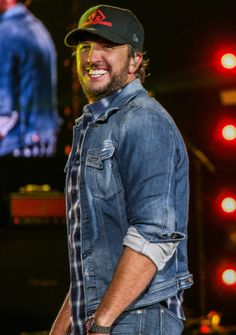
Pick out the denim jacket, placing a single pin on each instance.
(27, 78)
(133, 172)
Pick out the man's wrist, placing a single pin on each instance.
(93, 327)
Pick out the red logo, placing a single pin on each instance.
(97, 18)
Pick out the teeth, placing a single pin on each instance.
(96, 73)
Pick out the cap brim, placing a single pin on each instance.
(73, 38)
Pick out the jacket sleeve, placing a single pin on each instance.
(8, 77)
(154, 171)
(159, 253)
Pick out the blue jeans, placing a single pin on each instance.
(150, 320)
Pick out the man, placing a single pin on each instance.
(28, 104)
(127, 191)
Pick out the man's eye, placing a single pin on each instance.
(108, 46)
(84, 47)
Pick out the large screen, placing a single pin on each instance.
(29, 119)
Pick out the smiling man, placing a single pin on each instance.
(101, 67)
(127, 191)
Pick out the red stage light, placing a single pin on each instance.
(228, 205)
(229, 132)
(224, 59)
(226, 274)
(225, 206)
(225, 132)
(204, 329)
(228, 61)
(229, 277)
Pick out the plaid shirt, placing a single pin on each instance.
(91, 112)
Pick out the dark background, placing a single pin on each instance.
(183, 40)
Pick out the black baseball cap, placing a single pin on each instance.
(115, 24)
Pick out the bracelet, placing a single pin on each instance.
(94, 328)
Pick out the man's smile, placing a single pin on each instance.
(96, 73)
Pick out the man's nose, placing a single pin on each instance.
(94, 54)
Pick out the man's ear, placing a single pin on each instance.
(135, 62)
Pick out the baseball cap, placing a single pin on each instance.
(118, 25)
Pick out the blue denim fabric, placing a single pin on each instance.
(151, 320)
(133, 172)
(28, 78)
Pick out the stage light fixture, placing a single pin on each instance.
(205, 329)
(229, 132)
(229, 277)
(228, 205)
(228, 61)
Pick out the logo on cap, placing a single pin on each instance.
(97, 18)
(135, 37)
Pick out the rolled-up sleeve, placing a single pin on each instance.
(159, 253)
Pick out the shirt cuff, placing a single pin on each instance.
(158, 253)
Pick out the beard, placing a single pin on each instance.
(117, 81)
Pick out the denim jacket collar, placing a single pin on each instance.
(106, 106)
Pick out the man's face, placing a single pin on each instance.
(103, 67)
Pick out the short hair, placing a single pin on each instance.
(141, 72)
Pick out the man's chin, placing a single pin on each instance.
(95, 94)
(98, 92)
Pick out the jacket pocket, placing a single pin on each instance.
(101, 174)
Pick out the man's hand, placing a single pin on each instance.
(7, 123)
